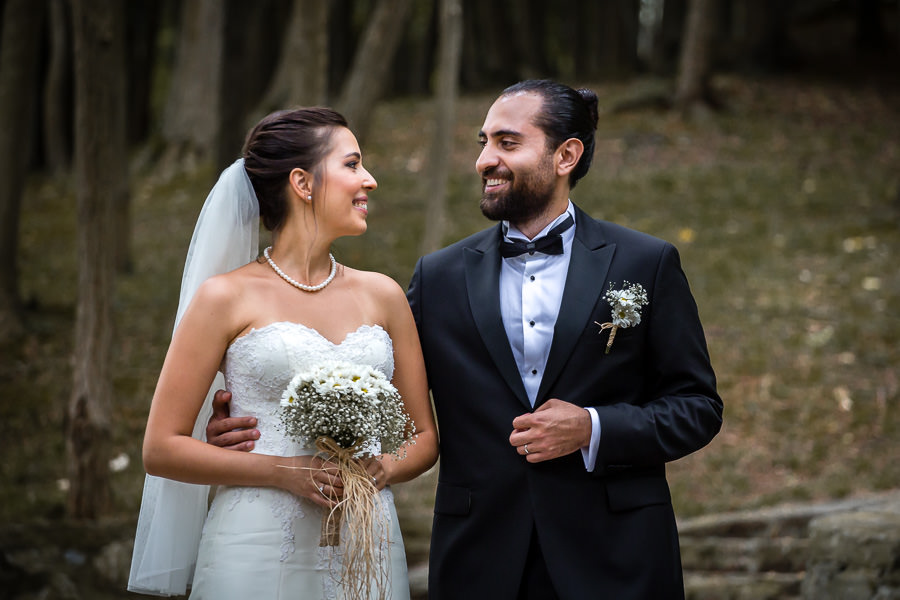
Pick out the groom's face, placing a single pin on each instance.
(515, 164)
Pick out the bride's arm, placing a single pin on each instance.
(193, 358)
(411, 381)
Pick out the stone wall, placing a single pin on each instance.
(843, 550)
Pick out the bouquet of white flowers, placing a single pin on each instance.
(354, 405)
(348, 411)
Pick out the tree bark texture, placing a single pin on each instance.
(446, 93)
(142, 23)
(617, 44)
(22, 22)
(301, 78)
(668, 36)
(695, 62)
(58, 89)
(250, 53)
(100, 169)
(366, 83)
(190, 117)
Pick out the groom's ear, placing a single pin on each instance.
(300, 181)
(567, 156)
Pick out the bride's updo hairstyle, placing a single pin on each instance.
(566, 113)
(283, 141)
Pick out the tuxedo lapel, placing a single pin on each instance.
(585, 280)
(482, 266)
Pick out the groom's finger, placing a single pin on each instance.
(234, 433)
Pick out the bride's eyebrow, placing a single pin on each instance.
(356, 155)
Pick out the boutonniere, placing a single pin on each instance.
(626, 306)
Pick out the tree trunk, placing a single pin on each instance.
(301, 78)
(100, 171)
(21, 29)
(249, 57)
(191, 114)
(529, 37)
(58, 90)
(489, 57)
(142, 19)
(343, 37)
(366, 82)
(668, 36)
(414, 60)
(695, 65)
(759, 33)
(617, 43)
(446, 92)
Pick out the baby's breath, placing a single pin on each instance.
(626, 304)
(355, 405)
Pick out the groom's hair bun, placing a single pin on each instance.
(566, 113)
(283, 141)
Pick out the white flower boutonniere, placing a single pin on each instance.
(626, 306)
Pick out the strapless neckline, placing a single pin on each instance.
(365, 327)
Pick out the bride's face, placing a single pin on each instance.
(346, 184)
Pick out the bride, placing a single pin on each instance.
(259, 321)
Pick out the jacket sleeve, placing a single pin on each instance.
(681, 410)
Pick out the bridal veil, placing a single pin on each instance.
(172, 513)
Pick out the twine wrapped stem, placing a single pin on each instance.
(363, 563)
(612, 333)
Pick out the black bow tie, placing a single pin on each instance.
(548, 244)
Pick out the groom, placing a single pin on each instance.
(555, 425)
(553, 450)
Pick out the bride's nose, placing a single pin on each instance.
(369, 182)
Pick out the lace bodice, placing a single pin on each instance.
(259, 365)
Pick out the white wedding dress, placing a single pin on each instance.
(264, 542)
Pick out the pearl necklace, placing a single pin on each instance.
(294, 282)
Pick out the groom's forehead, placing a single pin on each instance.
(513, 114)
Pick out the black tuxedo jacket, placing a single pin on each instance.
(606, 534)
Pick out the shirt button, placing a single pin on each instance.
(534, 371)
(532, 277)
(531, 323)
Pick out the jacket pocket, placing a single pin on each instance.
(452, 500)
(629, 494)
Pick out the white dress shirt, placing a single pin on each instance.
(531, 289)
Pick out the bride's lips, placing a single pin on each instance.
(361, 204)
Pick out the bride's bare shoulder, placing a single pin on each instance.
(377, 283)
(230, 289)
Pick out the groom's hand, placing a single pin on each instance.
(555, 429)
(231, 433)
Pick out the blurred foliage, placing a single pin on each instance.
(785, 208)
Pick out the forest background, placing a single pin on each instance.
(760, 137)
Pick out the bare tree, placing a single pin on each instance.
(302, 74)
(446, 92)
(190, 116)
(695, 65)
(22, 20)
(57, 103)
(616, 43)
(100, 168)
(368, 76)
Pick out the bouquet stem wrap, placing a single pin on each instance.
(363, 562)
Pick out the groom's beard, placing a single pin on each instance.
(525, 199)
